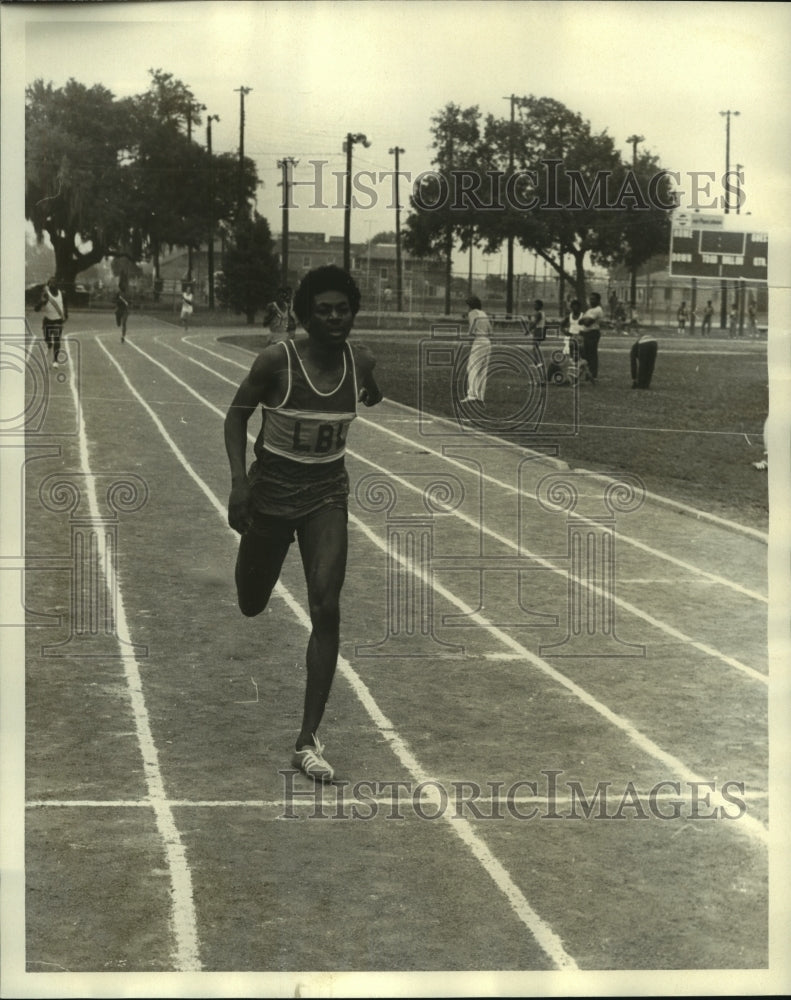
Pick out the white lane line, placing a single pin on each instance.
(328, 795)
(187, 955)
(509, 487)
(752, 827)
(658, 498)
(541, 931)
(629, 540)
(661, 626)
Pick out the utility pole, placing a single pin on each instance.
(351, 139)
(209, 120)
(449, 235)
(634, 140)
(394, 151)
(191, 106)
(509, 273)
(727, 116)
(509, 270)
(242, 91)
(739, 168)
(724, 285)
(286, 165)
(562, 256)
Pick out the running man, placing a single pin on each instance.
(279, 317)
(55, 315)
(186, 305)
(298, 485)
(121, 313)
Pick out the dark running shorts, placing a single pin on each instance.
(288, 490)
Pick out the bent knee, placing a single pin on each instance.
(250, 607)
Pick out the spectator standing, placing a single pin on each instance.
(642, 358)
(681, 318)
(573, 330)
(708, 313)
(480, 329)
(591, 322)
(537, 324)
(752, 324)
(733, 320)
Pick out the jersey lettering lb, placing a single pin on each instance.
(310, 426)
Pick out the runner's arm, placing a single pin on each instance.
(369, 393)
(246, 400)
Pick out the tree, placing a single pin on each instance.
(123, 178)
(573, 198)
(438, 215)
(546, 180)
(250, 276)
(74, 183)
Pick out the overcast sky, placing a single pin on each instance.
(320, 69)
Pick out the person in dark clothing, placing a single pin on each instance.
(642, 359)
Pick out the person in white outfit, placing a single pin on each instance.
(55, 315)
(480, 330)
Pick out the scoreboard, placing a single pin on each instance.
(706, 246)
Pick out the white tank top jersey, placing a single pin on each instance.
(310, 426)
(53, 307)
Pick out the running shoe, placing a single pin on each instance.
(310, 761)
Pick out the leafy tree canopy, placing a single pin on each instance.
(124, 178)
(250, 277)
(544, 179)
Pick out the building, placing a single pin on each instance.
(658, 295)
(374, 268)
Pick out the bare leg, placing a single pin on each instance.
(323, 542)
(262, 550)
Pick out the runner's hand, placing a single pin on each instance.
(367, 398)
(239, 516)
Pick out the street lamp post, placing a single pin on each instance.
(351, 139)
(210, 248)
(395, 151)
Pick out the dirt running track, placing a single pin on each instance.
(549, 724)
